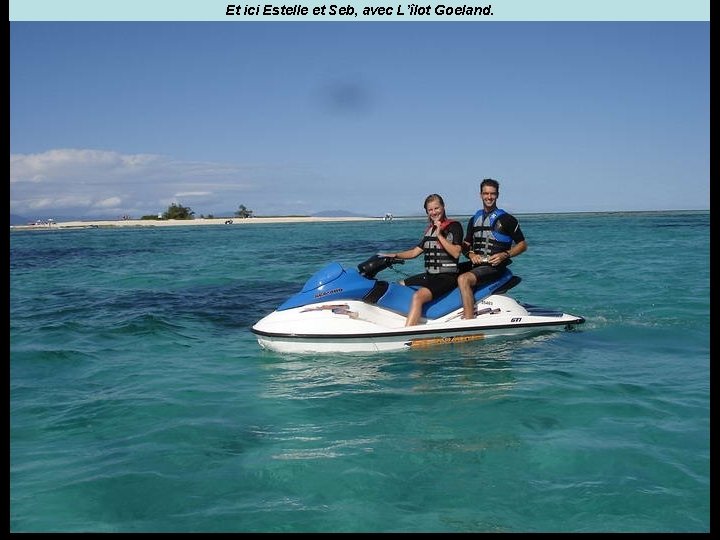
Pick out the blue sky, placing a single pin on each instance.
(116, 118)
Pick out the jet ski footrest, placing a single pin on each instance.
(374, 294)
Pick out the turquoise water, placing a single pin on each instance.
(140, 401)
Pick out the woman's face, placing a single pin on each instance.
(435, 210)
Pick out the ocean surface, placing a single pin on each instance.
(141, 402)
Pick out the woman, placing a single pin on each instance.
(441, 245)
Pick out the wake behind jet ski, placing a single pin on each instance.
(347, 310)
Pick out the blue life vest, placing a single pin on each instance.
(487, 236)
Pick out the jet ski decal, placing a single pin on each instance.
(338, 309)
(422, 343)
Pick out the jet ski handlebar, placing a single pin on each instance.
(377, 263)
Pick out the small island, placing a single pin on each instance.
(179, 215)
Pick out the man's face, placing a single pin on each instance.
(489, 196)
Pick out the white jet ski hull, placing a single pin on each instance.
(356, 326)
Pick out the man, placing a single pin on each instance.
(492, 238)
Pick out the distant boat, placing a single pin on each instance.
(388, 217)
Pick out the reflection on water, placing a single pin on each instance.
(485, 368)
(322, 376)
(482, 363)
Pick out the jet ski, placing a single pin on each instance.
(347, 310)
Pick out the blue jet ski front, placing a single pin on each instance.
(335, 283)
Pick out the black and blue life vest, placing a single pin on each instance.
(437, 260)
(488, 237)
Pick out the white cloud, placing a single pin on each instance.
(193, 194)
(112, 202)
(57, 165)
(86, 182)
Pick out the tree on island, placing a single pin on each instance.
(243, 212)
(178, 211)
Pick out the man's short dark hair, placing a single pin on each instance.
(490, 182)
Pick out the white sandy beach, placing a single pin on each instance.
(228, 222)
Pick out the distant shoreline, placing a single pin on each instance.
(228, 222)
(231, 221)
